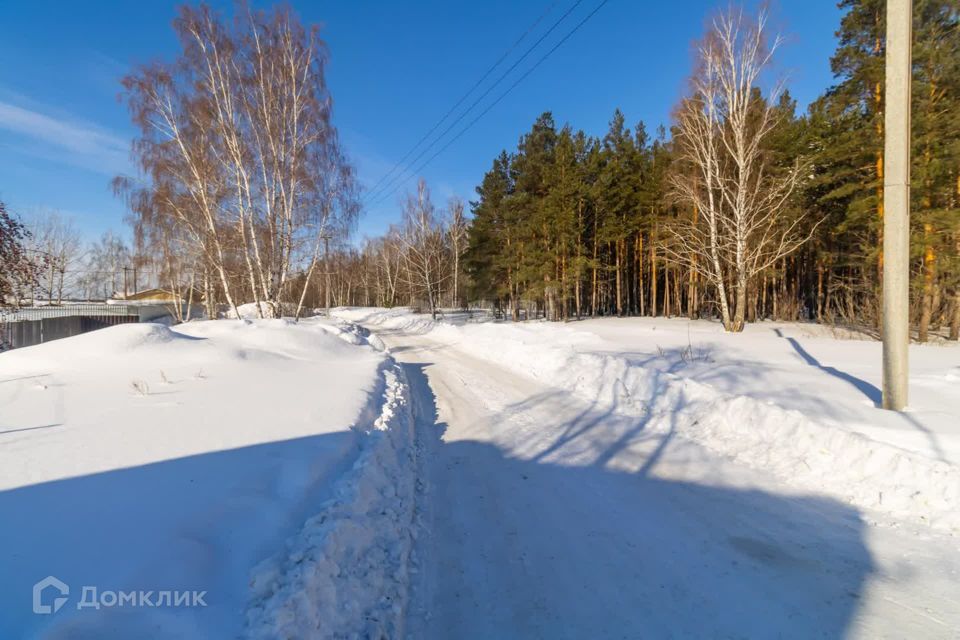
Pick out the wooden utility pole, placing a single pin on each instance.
(896, 205)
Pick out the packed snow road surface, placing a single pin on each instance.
(547, 515)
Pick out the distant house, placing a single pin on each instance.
(156, 296)
(158, 303)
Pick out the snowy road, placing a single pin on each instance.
(545, 516)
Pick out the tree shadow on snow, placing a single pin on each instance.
(710, 365)
(561, 545)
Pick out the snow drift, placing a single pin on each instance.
(264, 462)
(808, 454)
(345, 573)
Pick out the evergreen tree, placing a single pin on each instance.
(489, 258)
(845, 127)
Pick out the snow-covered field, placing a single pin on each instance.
(264, 463)
(786, 398)
(607, 478)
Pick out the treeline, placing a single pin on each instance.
(416, 263)
(43, 259)
(743, 209)
(746, 210)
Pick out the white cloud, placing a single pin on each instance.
(89, 146)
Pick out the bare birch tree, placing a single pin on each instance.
(422, 238)
(240, 153)
(387, 258)
(57, 240)
(102, 271)
(725, 171)
(457, 227)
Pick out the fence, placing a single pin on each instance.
(35, 325)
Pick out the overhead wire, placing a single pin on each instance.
(473, 88)
(389, 187)
(495, 102)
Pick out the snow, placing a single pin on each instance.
(248, 311)
(606, 478)
(346, 571)
(208, 456)
(773, 398)
(806, 368)
(559, 502)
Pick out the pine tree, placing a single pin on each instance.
(489, 257)
(845, 127)
(935, 224)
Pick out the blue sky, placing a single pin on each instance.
(395, 69)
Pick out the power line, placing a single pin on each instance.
(497, 101)
(459, 118)
(389, 188)
(384, 177)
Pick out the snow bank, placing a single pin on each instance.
(345, 573)
(248, 311)
(123, 338)
(806, 453)
(142, 457)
